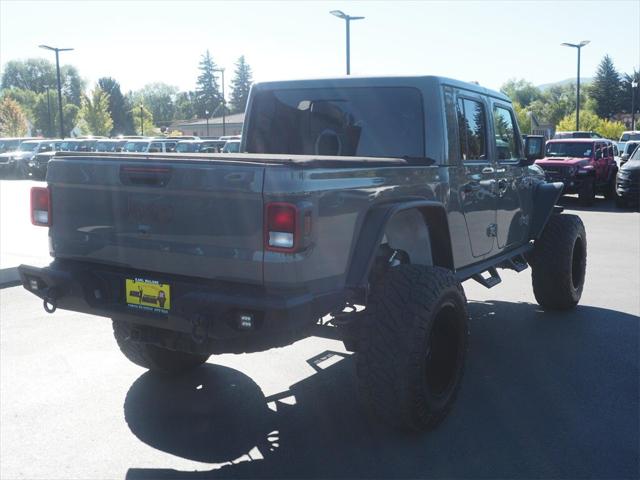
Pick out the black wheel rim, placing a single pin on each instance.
(577, 264)
(443, 355)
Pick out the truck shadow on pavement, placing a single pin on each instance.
(544, 395)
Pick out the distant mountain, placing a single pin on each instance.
(583, 81)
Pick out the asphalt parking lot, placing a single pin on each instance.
(544, 395)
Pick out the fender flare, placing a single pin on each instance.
(545, 197)
(373, 230)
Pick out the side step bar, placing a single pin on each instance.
(486, 273)
(491, 281)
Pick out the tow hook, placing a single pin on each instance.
(199, 328)
(50, 302)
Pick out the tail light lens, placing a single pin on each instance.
(281, 227)
(40, 206)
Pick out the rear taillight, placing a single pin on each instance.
(281, 227)
(40, 206)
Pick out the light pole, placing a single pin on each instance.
(347, 19)
(224, 108)
(578, 47)
(50, 131)
(634, 85)
(206, 116)
(141, 120)
(58, 50)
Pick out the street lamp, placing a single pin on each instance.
(50, 131)
(206, 116)
(58, 50)
(347, 19)
(224, 108)
(141, 120)
(634, 85)
(578, 47)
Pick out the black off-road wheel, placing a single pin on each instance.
(559, 263)
(412, 346)
(152, 357)
(587, 193)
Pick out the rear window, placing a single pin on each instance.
(360, 121)
(629, 136)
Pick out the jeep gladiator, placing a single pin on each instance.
(383, 193)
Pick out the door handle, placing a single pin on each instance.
(488, 170)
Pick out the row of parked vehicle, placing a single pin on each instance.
(28, 157)
(589, 165)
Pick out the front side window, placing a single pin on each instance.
(472, 130)
(507, 141)
(353, 121)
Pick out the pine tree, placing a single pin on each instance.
(606, 89)
(94, 112)
(240, 85)
(208, 96)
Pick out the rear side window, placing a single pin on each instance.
(507, 141)
(354, 121)
(472, 129)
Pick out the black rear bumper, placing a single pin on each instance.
(205, 314)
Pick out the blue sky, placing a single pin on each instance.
(139, 42)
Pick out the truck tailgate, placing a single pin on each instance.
(175, 216)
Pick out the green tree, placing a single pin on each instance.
(208, 96)
(591, 122)
(185, 106)
(159, 98)
(606, 89)
(524, 118)
(73, 86)
(627, 91)
(240, 85)
(521, 91)
(32, 74)
(142, 120)
(13, 122)
(117, 106)
(94, 113)
(36, 74)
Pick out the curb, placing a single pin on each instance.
(9, 277)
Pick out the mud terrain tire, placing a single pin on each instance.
(413, 343)
(152, 357)
(559, 262)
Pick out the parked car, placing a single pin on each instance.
(381, 192)
(16, 163)
(109, 145)
(12, 144)
(150, 146)
(628, 182)
(577, 134)
(630, 135)
(629, 148)
(201, 146)
(584, 166)
(231, 146)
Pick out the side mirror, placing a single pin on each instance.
(533, 149)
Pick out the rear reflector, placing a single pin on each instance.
(280, 227)
(40, 206)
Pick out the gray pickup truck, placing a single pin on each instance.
(382, 193)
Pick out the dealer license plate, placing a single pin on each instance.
(149, 295)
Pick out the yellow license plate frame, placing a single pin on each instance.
(148, 295)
